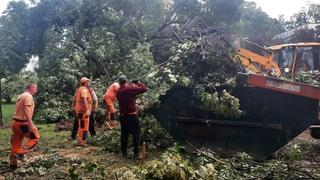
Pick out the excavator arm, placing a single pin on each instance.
(249, 60)
(254, 62)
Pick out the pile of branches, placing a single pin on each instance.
(199, 56)
(202, 54)
(56, 166)
(151, 132)
(311, 78)
(205, 164)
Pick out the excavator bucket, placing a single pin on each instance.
(276, 111)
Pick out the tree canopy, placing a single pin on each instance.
(105, 38)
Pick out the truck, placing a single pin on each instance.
(283, 60)
(276, 109)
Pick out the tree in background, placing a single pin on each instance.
(299, 23)
(13, 49)
(256, 25)
(105, 38)
(15, 84)
(86, 38)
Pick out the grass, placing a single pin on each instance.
(7, 110)
(54, 143)
(5, 136)
(48, 138)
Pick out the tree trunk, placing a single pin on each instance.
(1, 117)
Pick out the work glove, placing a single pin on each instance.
(87, 113)
(135, 81)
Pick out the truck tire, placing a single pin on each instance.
(315, 132)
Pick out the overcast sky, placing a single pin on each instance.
(273, 7)
(3, 5)
(283, 7)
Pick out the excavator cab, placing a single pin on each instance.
(294, 58)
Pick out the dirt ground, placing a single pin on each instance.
(305, 136)
(57, 143)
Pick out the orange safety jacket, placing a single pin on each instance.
(24, 101)
(83, 92)
(110, 96)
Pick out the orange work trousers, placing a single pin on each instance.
(21, 130)
(111, 110)
(83, 122)
(111, 114)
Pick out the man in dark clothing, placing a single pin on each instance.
(126, 96)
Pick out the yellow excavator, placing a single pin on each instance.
(278, 60)
(255, 59)
(283, 60)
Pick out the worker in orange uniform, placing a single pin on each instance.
(83, 107)
(22, 126)
(109, 98)
(94, 110)
(91, 122)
